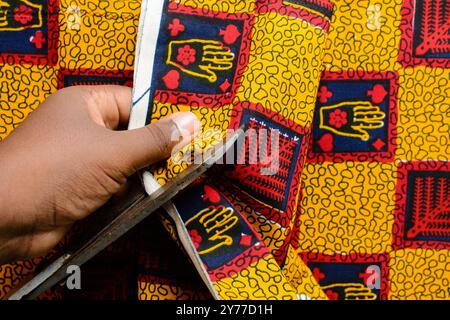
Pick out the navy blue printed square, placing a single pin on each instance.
(348, 281)
(431, 29)
(197, 54)
(215, 227)
(28, 31)
(273, 146)
(427, 216)
(355, 117)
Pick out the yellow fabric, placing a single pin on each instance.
(349, 207)
(345, 207)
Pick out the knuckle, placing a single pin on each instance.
(95, 94)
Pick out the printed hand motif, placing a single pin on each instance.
(208, 228)
(349, 291)
(352, 119)
(200, 58)
(4, 9)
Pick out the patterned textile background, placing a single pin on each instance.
(381, 195)
(375, 191)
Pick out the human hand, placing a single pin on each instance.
(65, 161)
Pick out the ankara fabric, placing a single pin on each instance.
(372, 195)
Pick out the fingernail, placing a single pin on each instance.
(187, 124)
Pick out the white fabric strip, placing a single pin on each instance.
(149, 26)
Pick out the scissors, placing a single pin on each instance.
(116, 218)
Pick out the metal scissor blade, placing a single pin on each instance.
(114, 221)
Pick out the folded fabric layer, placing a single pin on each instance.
(254, 67)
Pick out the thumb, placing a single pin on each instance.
(142, 147)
